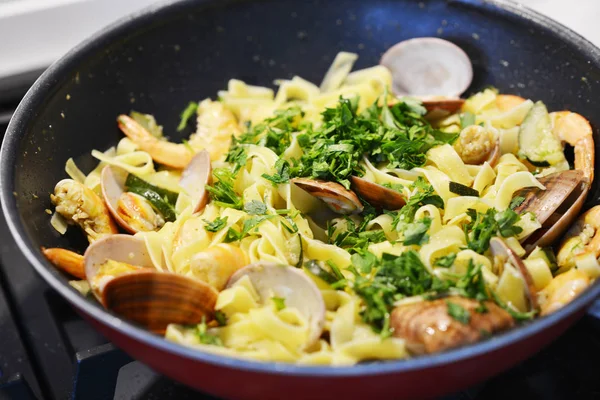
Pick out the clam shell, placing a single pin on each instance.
(299, 291)
(121, 248)
(155, 299)
(337, 197)
(113, 186)
(556, 207)
(428, 66)
(194, 179)
(500, 249)
(377, 195)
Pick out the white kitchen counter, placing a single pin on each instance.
(34, 33)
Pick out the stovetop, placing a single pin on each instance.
(48, 352)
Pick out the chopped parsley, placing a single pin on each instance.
(205, 337)
(221, 318)
(397, 136)
(416, 232)
(458, 312)
(187, 113)
(282, 173)
(216, 225)
(392, 278)
(355, 237)
(279, 303)
(222, 192)
(274, 133)
(484, 226)
(403, 219)
(516, 202)
(255, 207)
(445, 261)
(250, 224)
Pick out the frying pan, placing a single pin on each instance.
(161, 58)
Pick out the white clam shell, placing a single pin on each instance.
(298, 290)
(121, 248)
(194, 179)
(113, 186)
(428, 67)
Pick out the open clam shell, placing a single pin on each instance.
(451, 106)
(556, 207)
(128, 250)
(377, 195)
(298, 290)
(155, 299)
(131, 211)
(113, 186)
(428, 66)
(338, 198)
(194, 179)
(504, 253)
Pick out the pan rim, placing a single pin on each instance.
(37, 93)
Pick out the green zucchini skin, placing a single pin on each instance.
(537, 142)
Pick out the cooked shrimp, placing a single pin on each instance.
(217, 263)
(174, 155)
(476, 144)
(581, 238)
(80, 205)
(563, 288)
(216, 126)
(575, 130)
(66, 260)
(427, 327)
(505, 102)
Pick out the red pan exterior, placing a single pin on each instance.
(424, 383)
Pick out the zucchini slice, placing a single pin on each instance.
(537, 141)
(462, 190)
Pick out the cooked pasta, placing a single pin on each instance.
(459, 177)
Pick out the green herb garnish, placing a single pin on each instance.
(416, 232)
(484, 226)
(216, 225)
(255, 207)
(249, 225)
(222, 191)
(187, 113)
(445, 261)
(458, 312)
(279, 303)
(516, 202)
(282, 173)
(221, 318)
(205, 337)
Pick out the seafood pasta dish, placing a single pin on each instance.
(337, 223)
